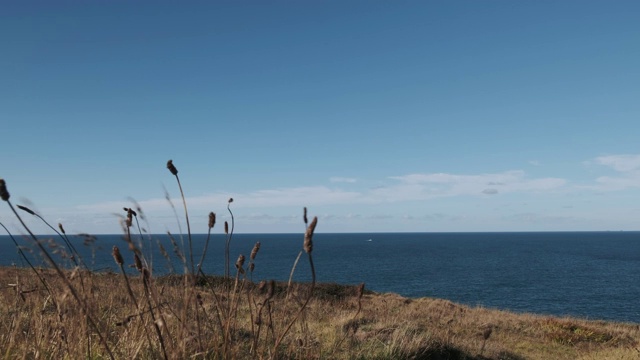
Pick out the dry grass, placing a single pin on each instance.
(387, 327)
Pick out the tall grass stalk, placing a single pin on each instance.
(229, 234)
(174, 171)
(308, 248)
(24, 257)
(72, 250)
(4, 194)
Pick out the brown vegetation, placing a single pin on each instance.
(337, 324)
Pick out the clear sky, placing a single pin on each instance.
(376, 115)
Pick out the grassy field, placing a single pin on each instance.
(218, 318)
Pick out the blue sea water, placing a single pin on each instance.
(592, 275)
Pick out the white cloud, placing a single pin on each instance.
(442, 184)
(276, 206)
(618, 183)
(402, 188)
(337, 179)
(621, 163)
(543, 219)
(628, 168)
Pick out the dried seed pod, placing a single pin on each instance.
(117, 256)
(230, 200)
(61, 228)
(304, 217)
(4, 194)
(24, 208)
(129, 221)
(171, 167)
(212, 219)
(226, 227)
(255, 250)
(308, 235)
(239, 263)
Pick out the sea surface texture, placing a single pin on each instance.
(594, 275)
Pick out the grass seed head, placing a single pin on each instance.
(304, 217)
(4, 194)
(129, 220)
(255, 250)
(61, 228)
(172, 167)
(308, 235)
(240, 263)
(117, 256)
(26, 209)
(212, 219)
(226, 227)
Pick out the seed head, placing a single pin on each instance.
(230, 200)
(130, 215)
(308, 235)
(4, 194)
(212, 219)
(130, 211)
(172, 167)
(61, 228)
(255, 250)
(226, 227)
(117, 256)
(304, 217)
(24, 208)
(239, 264)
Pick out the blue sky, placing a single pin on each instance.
(377, 116)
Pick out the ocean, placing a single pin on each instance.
(593, 275)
